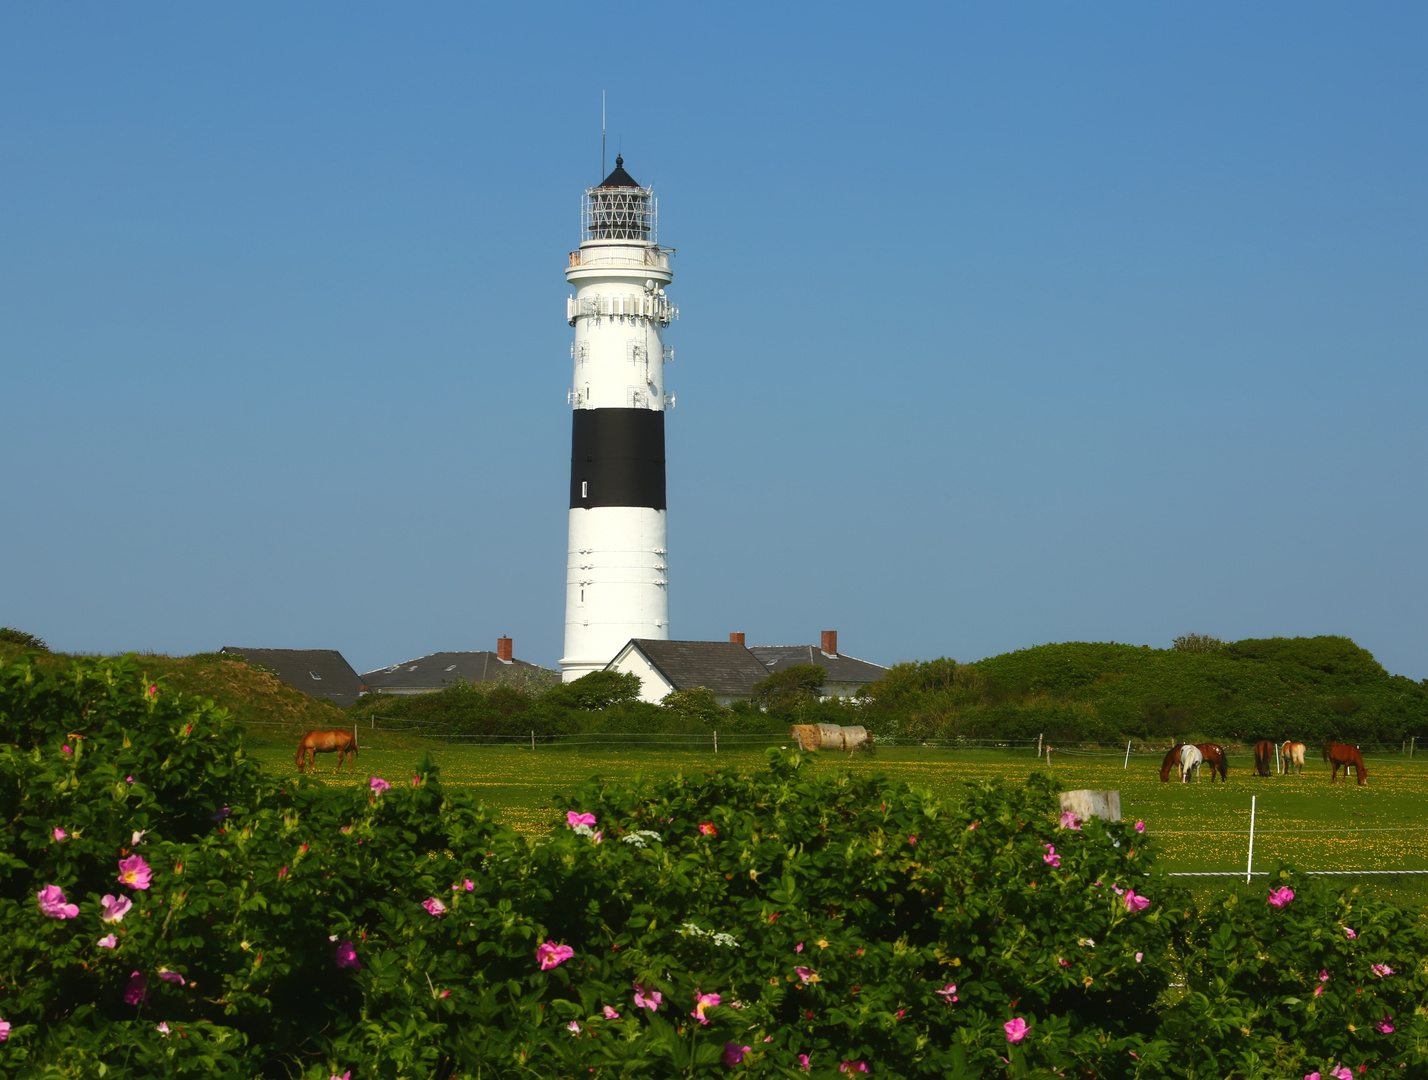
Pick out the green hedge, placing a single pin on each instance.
(781, 924)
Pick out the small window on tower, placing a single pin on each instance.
(585, 489)
(582, 596)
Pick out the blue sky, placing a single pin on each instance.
(1002, 323)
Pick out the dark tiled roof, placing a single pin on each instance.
(839, 669)
(436, 670)
(721, 666)
(323, 673)
(619, 178)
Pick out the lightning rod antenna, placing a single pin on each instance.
(602, 134)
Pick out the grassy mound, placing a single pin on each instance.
(1307, 688)
(272, 709)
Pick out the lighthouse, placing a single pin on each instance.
(617, 562)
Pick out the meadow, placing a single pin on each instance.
(1201, 826)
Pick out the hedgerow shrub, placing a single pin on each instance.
(773, 924)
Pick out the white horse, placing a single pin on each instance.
(1291, 753)
(1190, 761)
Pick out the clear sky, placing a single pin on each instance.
(1002, 323)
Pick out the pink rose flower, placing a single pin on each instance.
(1350, 934)
(1280, 897)
(1070, 821)
(434, 907)
(912, 839)
(345, 1076)
(136, 990)
(378, 785)
(573, 819)
(164, 1028)
(53, 903)
(1138, 957)
(416, 781)
(707, 828)
(802, 1058)
(973, 825)
(552, 955)
(948, 993)
(1140, 826)
(703, 1002)
(114, 908)
(1051, 858)
(573, 1027)
(444, 994)
(1016, 1029)
(108, 941)
(1381, 970)
(345, 956)
(134, 872)
(1384, 1026)
(59, 834)
(4, 1030)
(798, 947)
(853, 1066)
(66, 749)
(734, 1053)
(1341, 1073)
(1135, 903)
(170, 976)
(468, 885)
(1323, 975)
(611, 1014)
(804, 974)
(645, 998)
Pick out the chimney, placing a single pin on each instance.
(736, 639)
(830, 642)
(503, 649)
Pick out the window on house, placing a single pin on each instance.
(315, 675)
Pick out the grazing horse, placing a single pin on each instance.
(1338, 754)
(1172, 759)
(342, 743)
(1291, 753)
(1216, 758)
(1190, 761)
(1263, 757)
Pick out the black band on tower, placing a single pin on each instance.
(617, 458)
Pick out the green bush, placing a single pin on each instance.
(781, 924)
(1311, 689)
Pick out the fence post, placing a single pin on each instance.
(1038, 743)
(1249, 865)
(716, 742)
(1411, 743)
(1127, 764)
(532, 740)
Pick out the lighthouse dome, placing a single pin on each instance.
(619, 209)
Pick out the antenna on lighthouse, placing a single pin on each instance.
(602, 134)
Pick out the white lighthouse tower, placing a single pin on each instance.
(617, 565)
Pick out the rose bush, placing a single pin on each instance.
(743, 925)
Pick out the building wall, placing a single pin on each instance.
(653, 686)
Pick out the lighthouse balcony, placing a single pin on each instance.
(622, 255)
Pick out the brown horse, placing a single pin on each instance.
(1217, 759)
(1172, 759)
(1291, 754)
(1263, 757)
(342, 743)
(1338, 754)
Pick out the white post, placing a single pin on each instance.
(716, 742)
(1278, 761)
(532, 740)
(1127, 764)
(1249, 866)
(1411, 743)
(1038, 744)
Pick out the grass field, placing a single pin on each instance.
(1199, 826)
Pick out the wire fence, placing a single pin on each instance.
(1040, 748)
